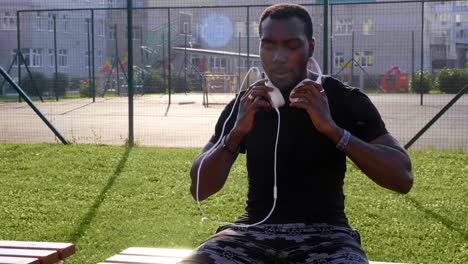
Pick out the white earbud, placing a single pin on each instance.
(277, 99)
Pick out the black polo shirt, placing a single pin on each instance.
(310, 170)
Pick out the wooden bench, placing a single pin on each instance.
(28, 252)
(149, 256)
(138, 255)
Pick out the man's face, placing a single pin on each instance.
(284, 51)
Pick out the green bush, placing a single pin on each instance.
(39, 79)
(421, 87)
(153, 81)
(451, 80)
(60, 83)
(85, 90)
(75, 84)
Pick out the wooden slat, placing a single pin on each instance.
(139, 255)
(45, 256)
(142, 259)
(13, 260)
(64, 249)
(157, 252)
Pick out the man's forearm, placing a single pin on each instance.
(385, 165)
(214, 170)
(382, 160)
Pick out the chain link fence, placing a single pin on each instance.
(190, 58)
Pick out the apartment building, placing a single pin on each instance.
(370, 37)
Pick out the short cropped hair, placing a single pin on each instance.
(285, 11)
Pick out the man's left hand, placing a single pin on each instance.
(313, 99)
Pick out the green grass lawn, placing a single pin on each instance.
(108, 198)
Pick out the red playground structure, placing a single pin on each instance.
(395, 80)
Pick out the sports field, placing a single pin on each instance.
(186, 122)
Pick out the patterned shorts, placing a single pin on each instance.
(281, 243)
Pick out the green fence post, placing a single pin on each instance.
(422, 52)
(18, 48)
(325, 37)
(93, 69)
(169, 53)
(248, 42)
(55, 48)
(331, 60)
(31, 104)
(130, 71)
(88, 35)
(437, 116)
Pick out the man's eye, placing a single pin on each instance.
(294, 45)
(268, 45)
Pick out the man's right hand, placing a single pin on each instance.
(255, 97)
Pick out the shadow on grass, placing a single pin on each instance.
(444, 220)
(88, 217)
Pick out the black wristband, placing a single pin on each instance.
(226, 147)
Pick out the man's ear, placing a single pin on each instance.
(311, 47)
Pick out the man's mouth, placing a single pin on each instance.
(280, 74)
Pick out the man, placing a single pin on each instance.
(328, 123)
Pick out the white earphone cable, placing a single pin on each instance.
(213, 148)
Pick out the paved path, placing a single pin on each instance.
(187, 123)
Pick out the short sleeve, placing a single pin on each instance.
(225, 114)
(366, 122)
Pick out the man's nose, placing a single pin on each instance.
(280, 56)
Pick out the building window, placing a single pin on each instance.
(254, 28)
(344, 26)
(65, 23)
(218, 64)
(111, 32)
(36, 58)
(367, 26)
(461, 3)
(86, 59)
(240, 29)
(26, 57)
(100, 58)
(62, 58)
(32, 57)
(50, 22)
(100, 28)
(86, 26)
(185, 23)
(39, 22)
(137, 33)
(14, 58)
(51, 58)
(195, 60)
(8, 21)
(339, 60)
(241, 64)
(365, 58)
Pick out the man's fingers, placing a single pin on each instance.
(259, 90)
(259, 82)
(309, 88)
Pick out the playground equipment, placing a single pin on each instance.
(394, 80)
